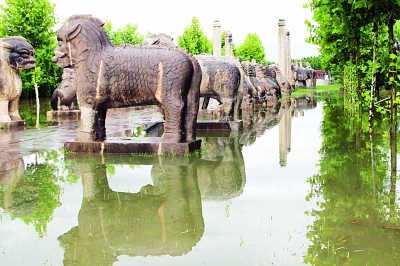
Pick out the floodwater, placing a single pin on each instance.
(302, 184)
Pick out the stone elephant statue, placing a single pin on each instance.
(64, 95)
(16, 54)
(115, 76)
(221, 78)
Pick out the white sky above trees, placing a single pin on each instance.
(172, 16)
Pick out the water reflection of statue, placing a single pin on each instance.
(162, 219)
(221, 171)
(256, 121)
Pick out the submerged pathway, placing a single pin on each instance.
(20, 142)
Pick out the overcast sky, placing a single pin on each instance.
(173, 16)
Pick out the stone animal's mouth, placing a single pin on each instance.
(29, 66)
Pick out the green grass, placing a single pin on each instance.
(331, 87)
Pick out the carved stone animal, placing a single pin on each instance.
(301, 75)
(114, 76)
(260, 86)
(221, 78)
(64, 95)
(159, 39)
(273, 73)
(16, 54)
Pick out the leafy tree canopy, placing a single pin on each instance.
(35, 21)
(194, 40)
(128, 34)
(251, 48)
(315, 61)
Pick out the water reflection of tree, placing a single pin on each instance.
(32, 193)
(27, 109)
(354, 201)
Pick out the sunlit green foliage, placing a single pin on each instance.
(194, 40)
(35, 21)
(315, 61)
(344, 31)
(123, 35)
(251, 48)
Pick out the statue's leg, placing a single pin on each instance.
(4, 116)
(191, 112)
(173, 112)
(101, 124)
(226, 110)
(237, 106)
(13, 109)
(86, 131)
(206, 100)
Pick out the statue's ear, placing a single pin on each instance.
(5, 45)
(156, 42)
(73, 33)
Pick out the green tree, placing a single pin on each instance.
(315, 61)
(128, 34)
(194, 40)
(35, 21)
(251, 48)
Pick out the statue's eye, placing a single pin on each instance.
(60, 40)
(24, 53)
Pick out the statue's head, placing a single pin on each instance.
(20, 52)
(160, 39)
(79, 37)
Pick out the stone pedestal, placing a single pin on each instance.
(129, 145)
(13, 124)
(55, 115)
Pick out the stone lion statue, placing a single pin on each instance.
(114, 76)
(16, 54)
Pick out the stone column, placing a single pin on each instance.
(217, 38)
(282, 49)
(228, 44)
(288, 58)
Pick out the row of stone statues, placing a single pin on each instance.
(100, 75)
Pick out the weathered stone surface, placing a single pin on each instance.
(304, 77)
(129, 145)
(13, 124)
(64, 95)
(114, 76)
(221, 78)
(16, 54)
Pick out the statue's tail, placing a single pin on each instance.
(192, 104)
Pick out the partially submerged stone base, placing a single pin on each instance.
(219, 125)
(55, 115)
(13, 124)
(150, 144)
(129, 145)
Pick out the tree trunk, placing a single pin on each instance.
(393, 105)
